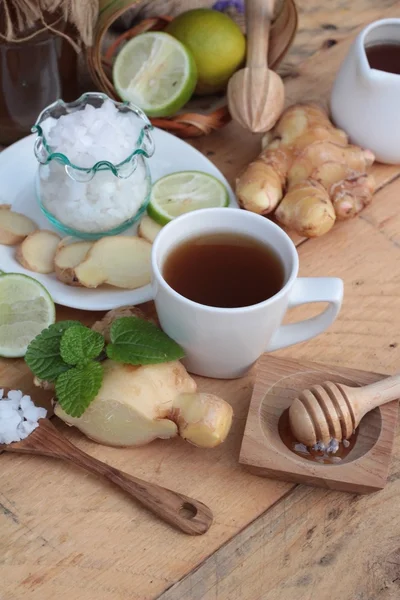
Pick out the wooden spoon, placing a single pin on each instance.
(333, 410)
(191, 516)
(256, 94)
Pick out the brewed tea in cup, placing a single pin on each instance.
(222, 281)
(225, 270)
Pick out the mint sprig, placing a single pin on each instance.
(78, 387)
(69, 354)
(43, 355)
(80, 345)
(138, 342)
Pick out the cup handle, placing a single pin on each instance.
(305, 291)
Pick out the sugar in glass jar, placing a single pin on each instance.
(93, 178)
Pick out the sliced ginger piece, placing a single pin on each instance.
(203, 419)
(37, 251)
(149, 229)
(14, 227)
(120, 261)
(307, 209)
(68, 257)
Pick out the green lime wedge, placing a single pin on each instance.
(26, 308)
(156, 72)
(183, 192)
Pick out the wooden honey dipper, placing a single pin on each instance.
(333, 410)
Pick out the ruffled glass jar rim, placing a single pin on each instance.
(44, 153)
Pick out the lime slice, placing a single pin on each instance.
(156, 72)
(26, 308)
(182, 192)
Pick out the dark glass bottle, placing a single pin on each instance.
(33, 74)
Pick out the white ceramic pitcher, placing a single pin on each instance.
(365, 102)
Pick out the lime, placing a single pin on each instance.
(26, 308)
(217, 44)
(156, 72)
(182, 192)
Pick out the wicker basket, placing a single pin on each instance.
(202, 115)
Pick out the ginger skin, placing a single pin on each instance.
(306, 160)
(307, 202)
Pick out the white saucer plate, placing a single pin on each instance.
(18, 167)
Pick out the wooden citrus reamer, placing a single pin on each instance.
(256, 93)
(184, 513)
(334, 410)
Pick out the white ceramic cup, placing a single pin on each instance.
(225, 342)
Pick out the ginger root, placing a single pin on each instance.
(137, 404)
(307, 173)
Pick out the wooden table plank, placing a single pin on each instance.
(313, 544)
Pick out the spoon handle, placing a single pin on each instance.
(370, 396)
(188, 515)
(259, 15)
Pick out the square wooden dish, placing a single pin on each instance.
(264, 453)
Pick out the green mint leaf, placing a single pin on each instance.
(138, 342)
(76, 388)
(43, 355)
(80, 344)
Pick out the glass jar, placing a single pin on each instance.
(33, 73)
(103, 199)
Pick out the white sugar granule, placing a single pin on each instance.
(86, 137)
(92, 134)
(18, 416)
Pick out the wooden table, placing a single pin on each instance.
(270, 540)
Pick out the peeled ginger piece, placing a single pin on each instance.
(120, 261)
(149, 229)
(37, 251)
(133, 405)
(137, 404)
(14, 227)
(67, 258)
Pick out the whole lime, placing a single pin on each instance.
(217, 44)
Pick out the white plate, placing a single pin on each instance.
(17, 171)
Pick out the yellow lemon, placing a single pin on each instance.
(217, 44)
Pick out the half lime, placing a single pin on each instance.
(156, 72)
(183, 192)
(26, 308)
